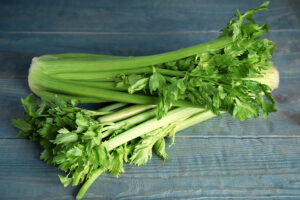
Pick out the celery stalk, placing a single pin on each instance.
(53, 66)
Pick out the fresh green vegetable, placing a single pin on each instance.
(125, 113)
(174, 90)
(216, 76)
(84, 145)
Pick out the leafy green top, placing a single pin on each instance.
(217, 80)
(73, 139)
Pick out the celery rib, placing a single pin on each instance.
(52, 95)
(125, 113)
(111, 75)
(89, 182)
(92, 65)
(39, 79)
(130, 122)
(150, 125)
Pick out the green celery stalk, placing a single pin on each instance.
(54, 95)
(125, 113)
(38, 79)
(78, 56)
(54, 66)
(130, 122)
(89, 182)
(146, 127)
(195, 119)
(150, 125)
(100, 84)
(111, 75)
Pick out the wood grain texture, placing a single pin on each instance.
(113, 44)
(217, 168)
(217, 159)
(136, 16)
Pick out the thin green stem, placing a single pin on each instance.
(60, 66)
(195, 119)
(130, 122)
(100, 84)
(51, 95)
(78, 56)
(89, 182)
(111, 75)
(125, 113)
(100, 76)
(150, 125)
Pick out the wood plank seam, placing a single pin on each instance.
(248, 137)
(134, 33)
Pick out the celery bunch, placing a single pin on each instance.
(156, 96)
(216, 76)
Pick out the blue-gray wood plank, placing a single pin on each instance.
(217, 159)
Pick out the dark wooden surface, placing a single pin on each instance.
(217, 159)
